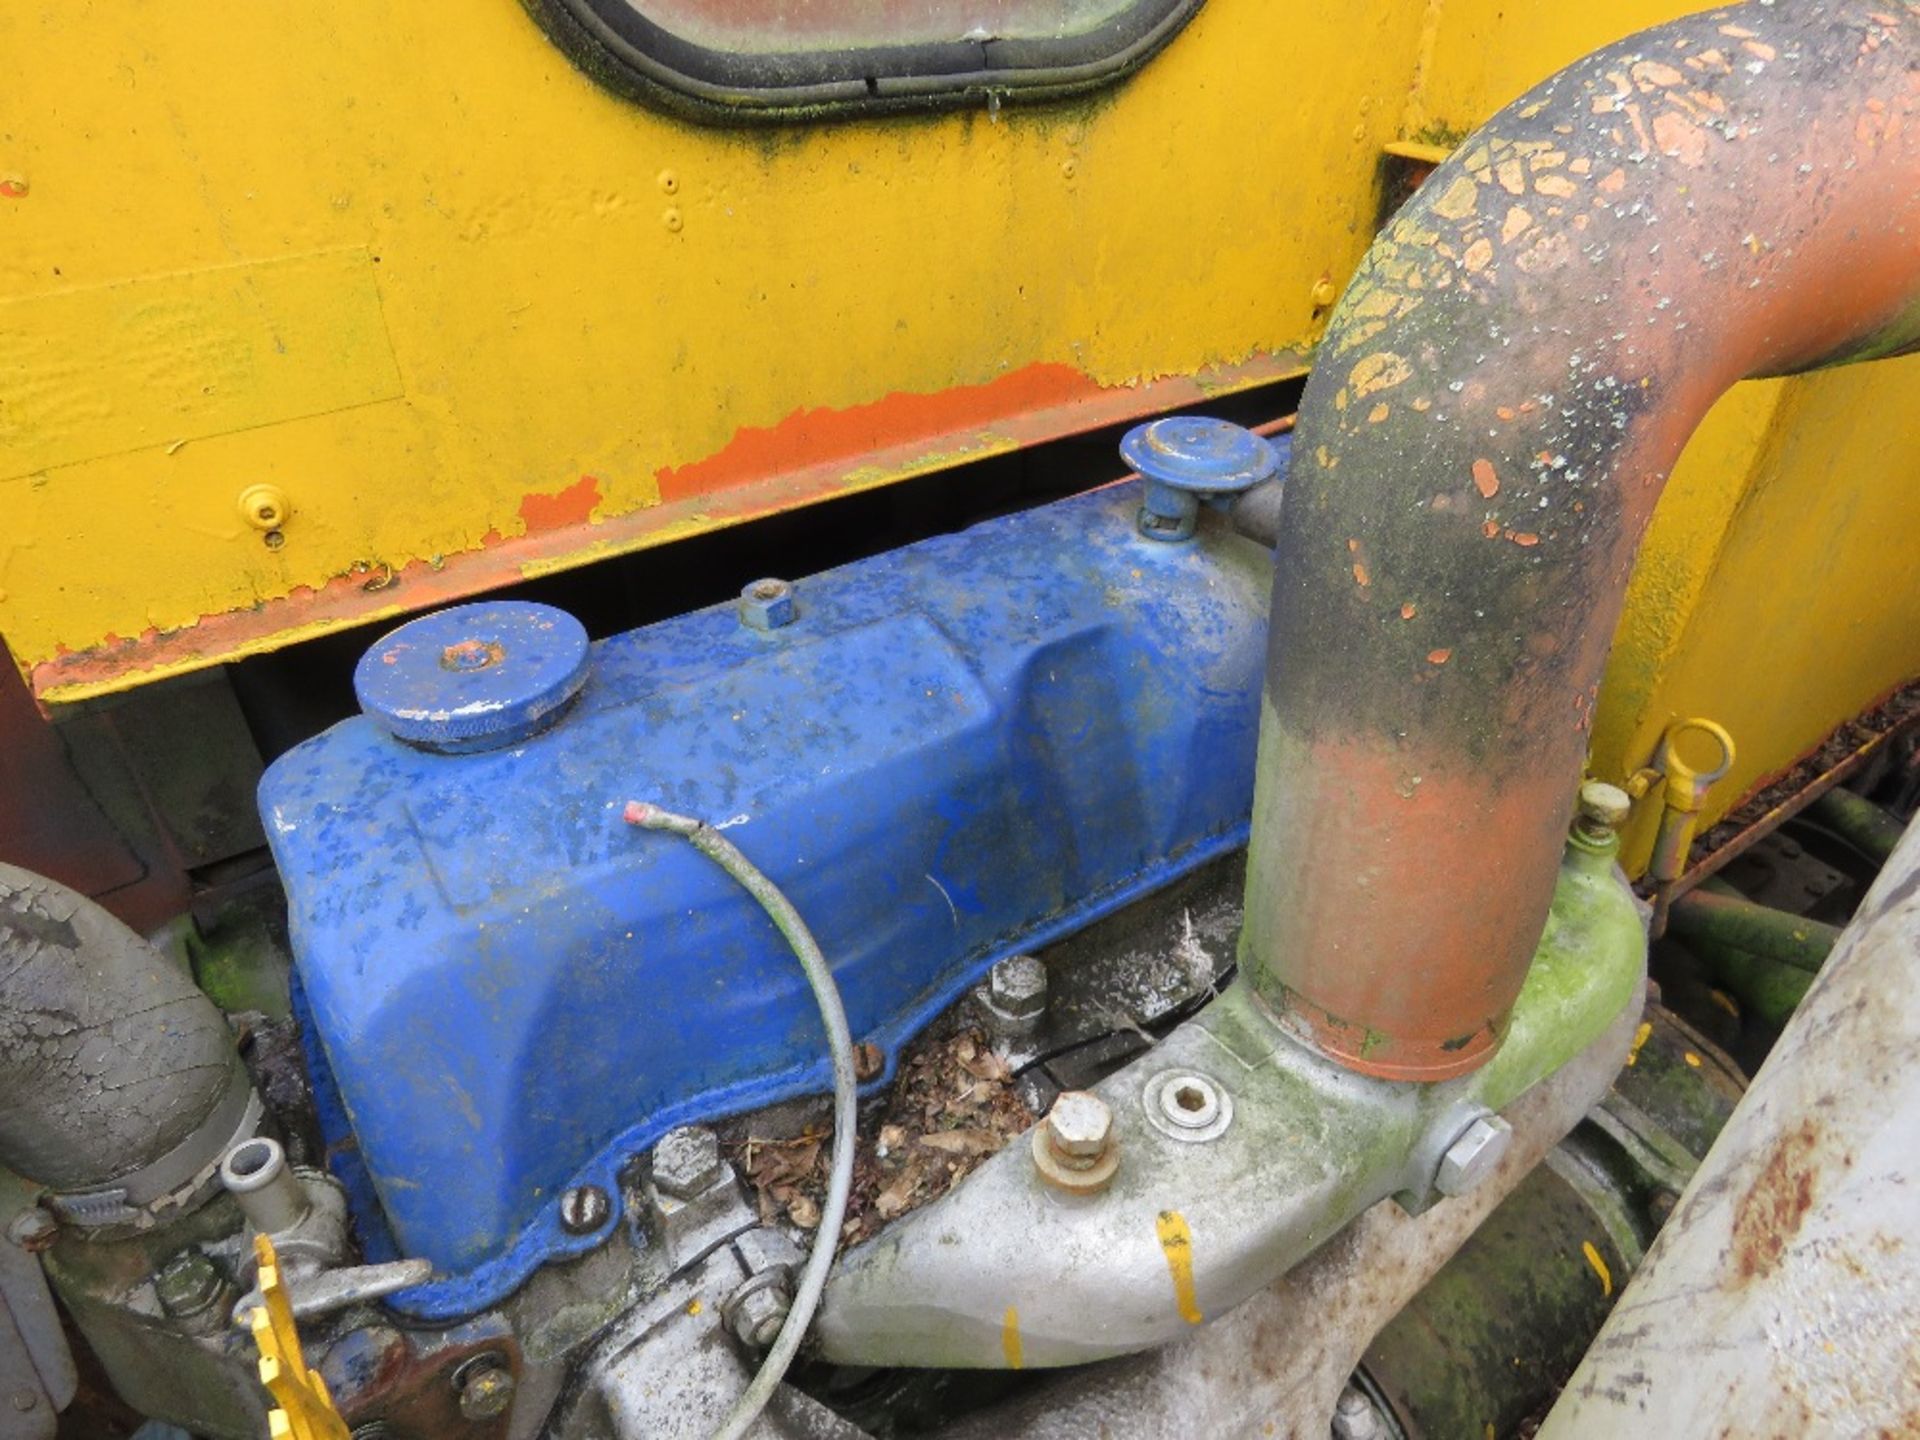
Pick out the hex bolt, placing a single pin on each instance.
(34, 1229)
(188, 1284)
(1473, 1156)
(1079, 1127)
(687, 1162)
(486, 1388)
(584, 1209)
(1602, 810)
(767, 605)
(1354, 1417)
(759, 1315)
(1017, 988)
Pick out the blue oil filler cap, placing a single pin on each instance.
(1186, 457)
(474, 677)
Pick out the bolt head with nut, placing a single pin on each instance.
(767, 605)
(687, 1162)
(486, 1391)
(1080, 1125)
(759, 1316)
(1017, 987)
(1473, 1156)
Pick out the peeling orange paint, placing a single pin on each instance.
(1439, 657)
(1485, 479)
(571, 506)
(859, 431)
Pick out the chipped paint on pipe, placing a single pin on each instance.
(1504, 390)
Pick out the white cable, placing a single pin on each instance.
(813, 1279)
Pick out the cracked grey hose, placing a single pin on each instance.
(813, 1279)
(115, 1069)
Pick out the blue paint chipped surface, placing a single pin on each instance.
(961, 749)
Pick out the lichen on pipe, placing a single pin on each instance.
(1501, 396)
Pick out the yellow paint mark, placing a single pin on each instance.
(1010, 1338)
(695, 1306)
(1177, 1241)
(1725, 1002)
(1512, 177)
(1556, 185)
(1599, 1267)
(1379, 371)
(1640, 1038)
(1692, 1059)
(1418, 150)
(1378, 413)
(1517, 222)
(1459, 200)
(1478, 256)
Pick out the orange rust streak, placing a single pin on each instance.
(859, 430)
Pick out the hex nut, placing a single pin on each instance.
(1473, 1156)
(767, 605)
(584, 1209)
(763, 1250)
(486, 1391)
(1079, 1125)
(687, 1162)
(759, 1315)
(1017, 987)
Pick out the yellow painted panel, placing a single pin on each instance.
(1810, 610)
(96, 371)
(577, 289)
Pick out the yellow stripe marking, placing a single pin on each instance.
(1177, 1241)
(1639, 1039)
(1599, 1268)
(1010, 1338)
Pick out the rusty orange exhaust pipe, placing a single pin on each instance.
(1505, 387)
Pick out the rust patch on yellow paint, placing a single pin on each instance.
(1176, 1241)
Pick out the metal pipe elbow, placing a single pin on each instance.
(1505, 387)
(117, 1070)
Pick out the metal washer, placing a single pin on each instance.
(1155, 1097)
